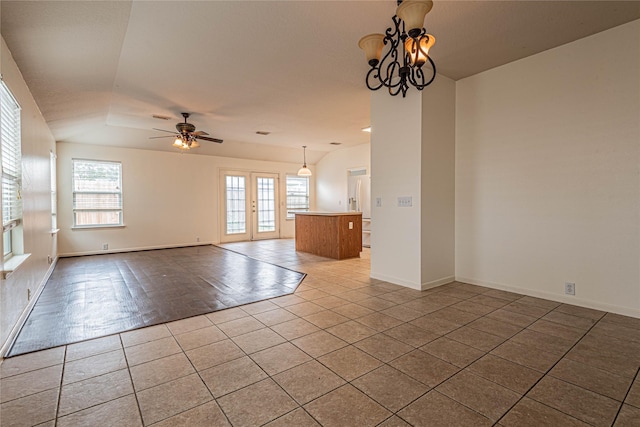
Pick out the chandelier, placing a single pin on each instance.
(185, 142)
(409, 44)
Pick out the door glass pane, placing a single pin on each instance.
(266, 204)
(236, 205)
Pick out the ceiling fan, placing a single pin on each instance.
(187, 136)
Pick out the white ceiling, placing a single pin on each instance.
(100, 69)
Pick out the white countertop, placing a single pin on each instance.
(328, 213)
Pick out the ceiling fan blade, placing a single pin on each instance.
(219, 141)
(165, 136)
(199, 133)
(162, 130)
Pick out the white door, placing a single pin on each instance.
(249, 206)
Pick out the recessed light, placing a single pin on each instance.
(335, 143)
(367, 129)
(157, 116)
(263, 132)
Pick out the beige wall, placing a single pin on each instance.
(37, 144)
(548, 173)
(169, 199)
(331, 176)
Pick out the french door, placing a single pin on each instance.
(249, 203)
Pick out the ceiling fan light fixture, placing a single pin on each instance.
(304, 170)
(178, 142)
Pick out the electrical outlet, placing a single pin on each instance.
(105, 246)
(28, 294)
(378, 202)
(405, 202)
(569, 288)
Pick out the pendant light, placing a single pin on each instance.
(304, 170)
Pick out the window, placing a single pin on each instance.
(97, 193)
(11, 172)
(54, 193)
(297, 195)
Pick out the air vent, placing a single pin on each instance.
(335, 143)
(263, 132)
(156, 116)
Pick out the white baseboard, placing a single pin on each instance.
(27, 310)
(436, 283)
(395, 280)
(134, 249)
(566, 299)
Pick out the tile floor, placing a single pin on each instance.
(344, 350)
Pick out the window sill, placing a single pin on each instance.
(93, 227)
(12, 264)
(54, 231)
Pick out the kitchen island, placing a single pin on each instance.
(336, 235)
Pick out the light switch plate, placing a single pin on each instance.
(405, 201)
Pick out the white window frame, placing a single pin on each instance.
(11, 153)
(117, 191)
(291, 209)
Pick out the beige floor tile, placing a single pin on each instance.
(160, 371)
(30, 410)
(550, 343)
(349, 362)
(425, 368)
(506, 373)
(326, 319)
(351, 331)
(526, 355)
(435, 409)
(273, 317)
(94, 391)
(295, 329)
(231, 376)
(31, 382)
(143, 335)
(453, 315)
(152, 350)
(495, 327)
(347, 406)
(259, 307)
(590, 378)
(605, 329)
(390, 387)
(434, 325)
(119, 412)
(630, 322)
(539, 302)
(474, 307)
(226, 315)
(240, 326)
(479, 394)
(394, 421)
(318, 343)
(529, 413)
(570, 320)
(288, 300)
(404, 314)
(214, 354)
(376, 304)
(507, 316)
(304, 309)
(557, 330)
(352, 311)
(268, 402)
(330, 302)
(423, 305)
(379, 321)
(475, 338)
(258, 340)
(93, 366)
(411, 335)
(452, 351)
(31, 362)
(297, 418)
(169, 399)
(280, 358)
(308, 381)
(312, 294)
(489, 301)
(527, 309)
(397, 297)
(200, 337)
(93, 347)
(505, 295)
(608, 359)
(585, 405)
(208, 414)
(633, 398)
(629, 416)
(187, 325)
(383, 347)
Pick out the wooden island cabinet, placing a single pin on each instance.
(335, 235)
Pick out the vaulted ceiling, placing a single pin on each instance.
(99, 70)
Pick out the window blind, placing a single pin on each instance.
(297, 195)
(11, 159)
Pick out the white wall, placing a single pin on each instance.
(169, 199)
(548, 173)
(438, 183)
(331, 176)
(37, 144)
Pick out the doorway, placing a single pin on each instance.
(249, 206)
